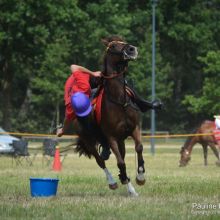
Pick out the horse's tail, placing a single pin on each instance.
(85, 146)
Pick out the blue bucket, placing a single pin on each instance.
(42, 187)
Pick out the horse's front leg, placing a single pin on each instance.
(121, 165)
(120, 161)
(136, 135)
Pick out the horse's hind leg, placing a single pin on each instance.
(205, 152)
(216, 153)
(136, 135)
(111, 182)
(218, 162)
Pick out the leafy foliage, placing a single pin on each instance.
(40, 39)
(208, 99)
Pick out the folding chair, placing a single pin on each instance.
(49, 147)
(21, 152)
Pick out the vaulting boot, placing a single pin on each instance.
(143, 104)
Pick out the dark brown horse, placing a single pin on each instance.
(207, 127)
(120, 118)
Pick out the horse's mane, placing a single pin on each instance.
(193, 131)
(186, 143)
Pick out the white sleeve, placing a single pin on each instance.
(217, 123)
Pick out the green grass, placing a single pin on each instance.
(83, 193)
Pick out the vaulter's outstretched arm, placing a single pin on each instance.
(75, 67)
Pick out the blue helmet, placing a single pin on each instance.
(81, 104)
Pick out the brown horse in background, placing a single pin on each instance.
(206, 127)
(120, 117)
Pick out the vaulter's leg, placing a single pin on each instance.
(143, 104)
(83, 109)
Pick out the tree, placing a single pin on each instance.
(208, 99)
(186, 33)
(22, 40)
(33, 35)
(40, 39)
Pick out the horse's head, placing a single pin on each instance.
(119, 50)
(184, 157)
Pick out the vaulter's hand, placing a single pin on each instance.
(97, 74)
(60, 132)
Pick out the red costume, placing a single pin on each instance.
(78, 81)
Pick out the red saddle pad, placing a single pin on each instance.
(217, 134)
(97, 106)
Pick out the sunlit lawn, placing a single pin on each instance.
(169, 193)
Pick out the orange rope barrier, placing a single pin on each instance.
(37, 135)
(176, 135)
(74, 136)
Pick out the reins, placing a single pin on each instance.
(109, 46)
(113, 75)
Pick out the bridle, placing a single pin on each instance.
(108, 50)
(116, 74)
(184, 151)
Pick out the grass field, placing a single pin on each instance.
(170, 192)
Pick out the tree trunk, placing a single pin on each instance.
(25, 105)
(6, 96)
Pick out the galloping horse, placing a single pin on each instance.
(206, 127)
(120, 118)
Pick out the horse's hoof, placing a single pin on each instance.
(113, 186)
(133, 194)
(182, 165)
(140, 182)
